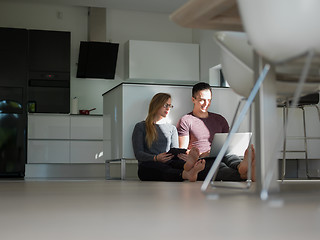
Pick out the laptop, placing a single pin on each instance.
(237, 146)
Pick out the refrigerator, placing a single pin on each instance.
(13, 102)
(13, 128)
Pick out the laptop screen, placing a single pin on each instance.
(237, 146)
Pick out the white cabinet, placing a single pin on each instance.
(86, 152)
(55, 138)
(161, 61)
(48, 127)
(86, 140)
(86, 127)
(48, 151)
(48, 138)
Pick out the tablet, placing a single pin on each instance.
(176, 151)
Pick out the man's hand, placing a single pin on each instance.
(205, 154)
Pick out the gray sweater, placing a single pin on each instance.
(167, 138)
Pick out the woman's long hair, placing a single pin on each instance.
(156, 103)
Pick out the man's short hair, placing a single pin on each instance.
(199, 87)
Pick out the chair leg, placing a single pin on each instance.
(319, 117)
(249, 173)
(237, 110)
(123, 168)
(285, 114)
(318, 111)
(305, 141)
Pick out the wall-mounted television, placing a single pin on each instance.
(97, 60)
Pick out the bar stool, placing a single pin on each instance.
(310, 100)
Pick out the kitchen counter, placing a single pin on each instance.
(65, 145)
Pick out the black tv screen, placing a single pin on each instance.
(97, 60)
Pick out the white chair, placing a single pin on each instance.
(282, 31)
(237, 60)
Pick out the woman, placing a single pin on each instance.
(153, 138)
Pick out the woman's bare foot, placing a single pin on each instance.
(192, 174)
(192, 158)
(243, 166)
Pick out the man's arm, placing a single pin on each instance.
(183, 132)
(183, 142)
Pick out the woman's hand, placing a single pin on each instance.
(164, 157)
(183, 156)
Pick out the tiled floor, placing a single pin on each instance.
(99, 209)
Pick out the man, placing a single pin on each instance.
(197, 129)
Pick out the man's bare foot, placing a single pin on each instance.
(192, 158)
(243, 166)
(192, 174)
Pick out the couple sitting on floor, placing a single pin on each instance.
(153, 138)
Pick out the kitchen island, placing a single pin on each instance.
(127, 104)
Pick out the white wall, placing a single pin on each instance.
(209, 52)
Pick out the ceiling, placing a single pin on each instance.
(156, 6)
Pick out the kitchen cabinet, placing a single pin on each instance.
(86, 127)
(86, 151)
(48, 138)
(49, 53)
(38, 61)
(166, 62)
(13, 57)
(48, 151)
(86, 139)
(49, 70)
(48, 126)
(64, 138)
